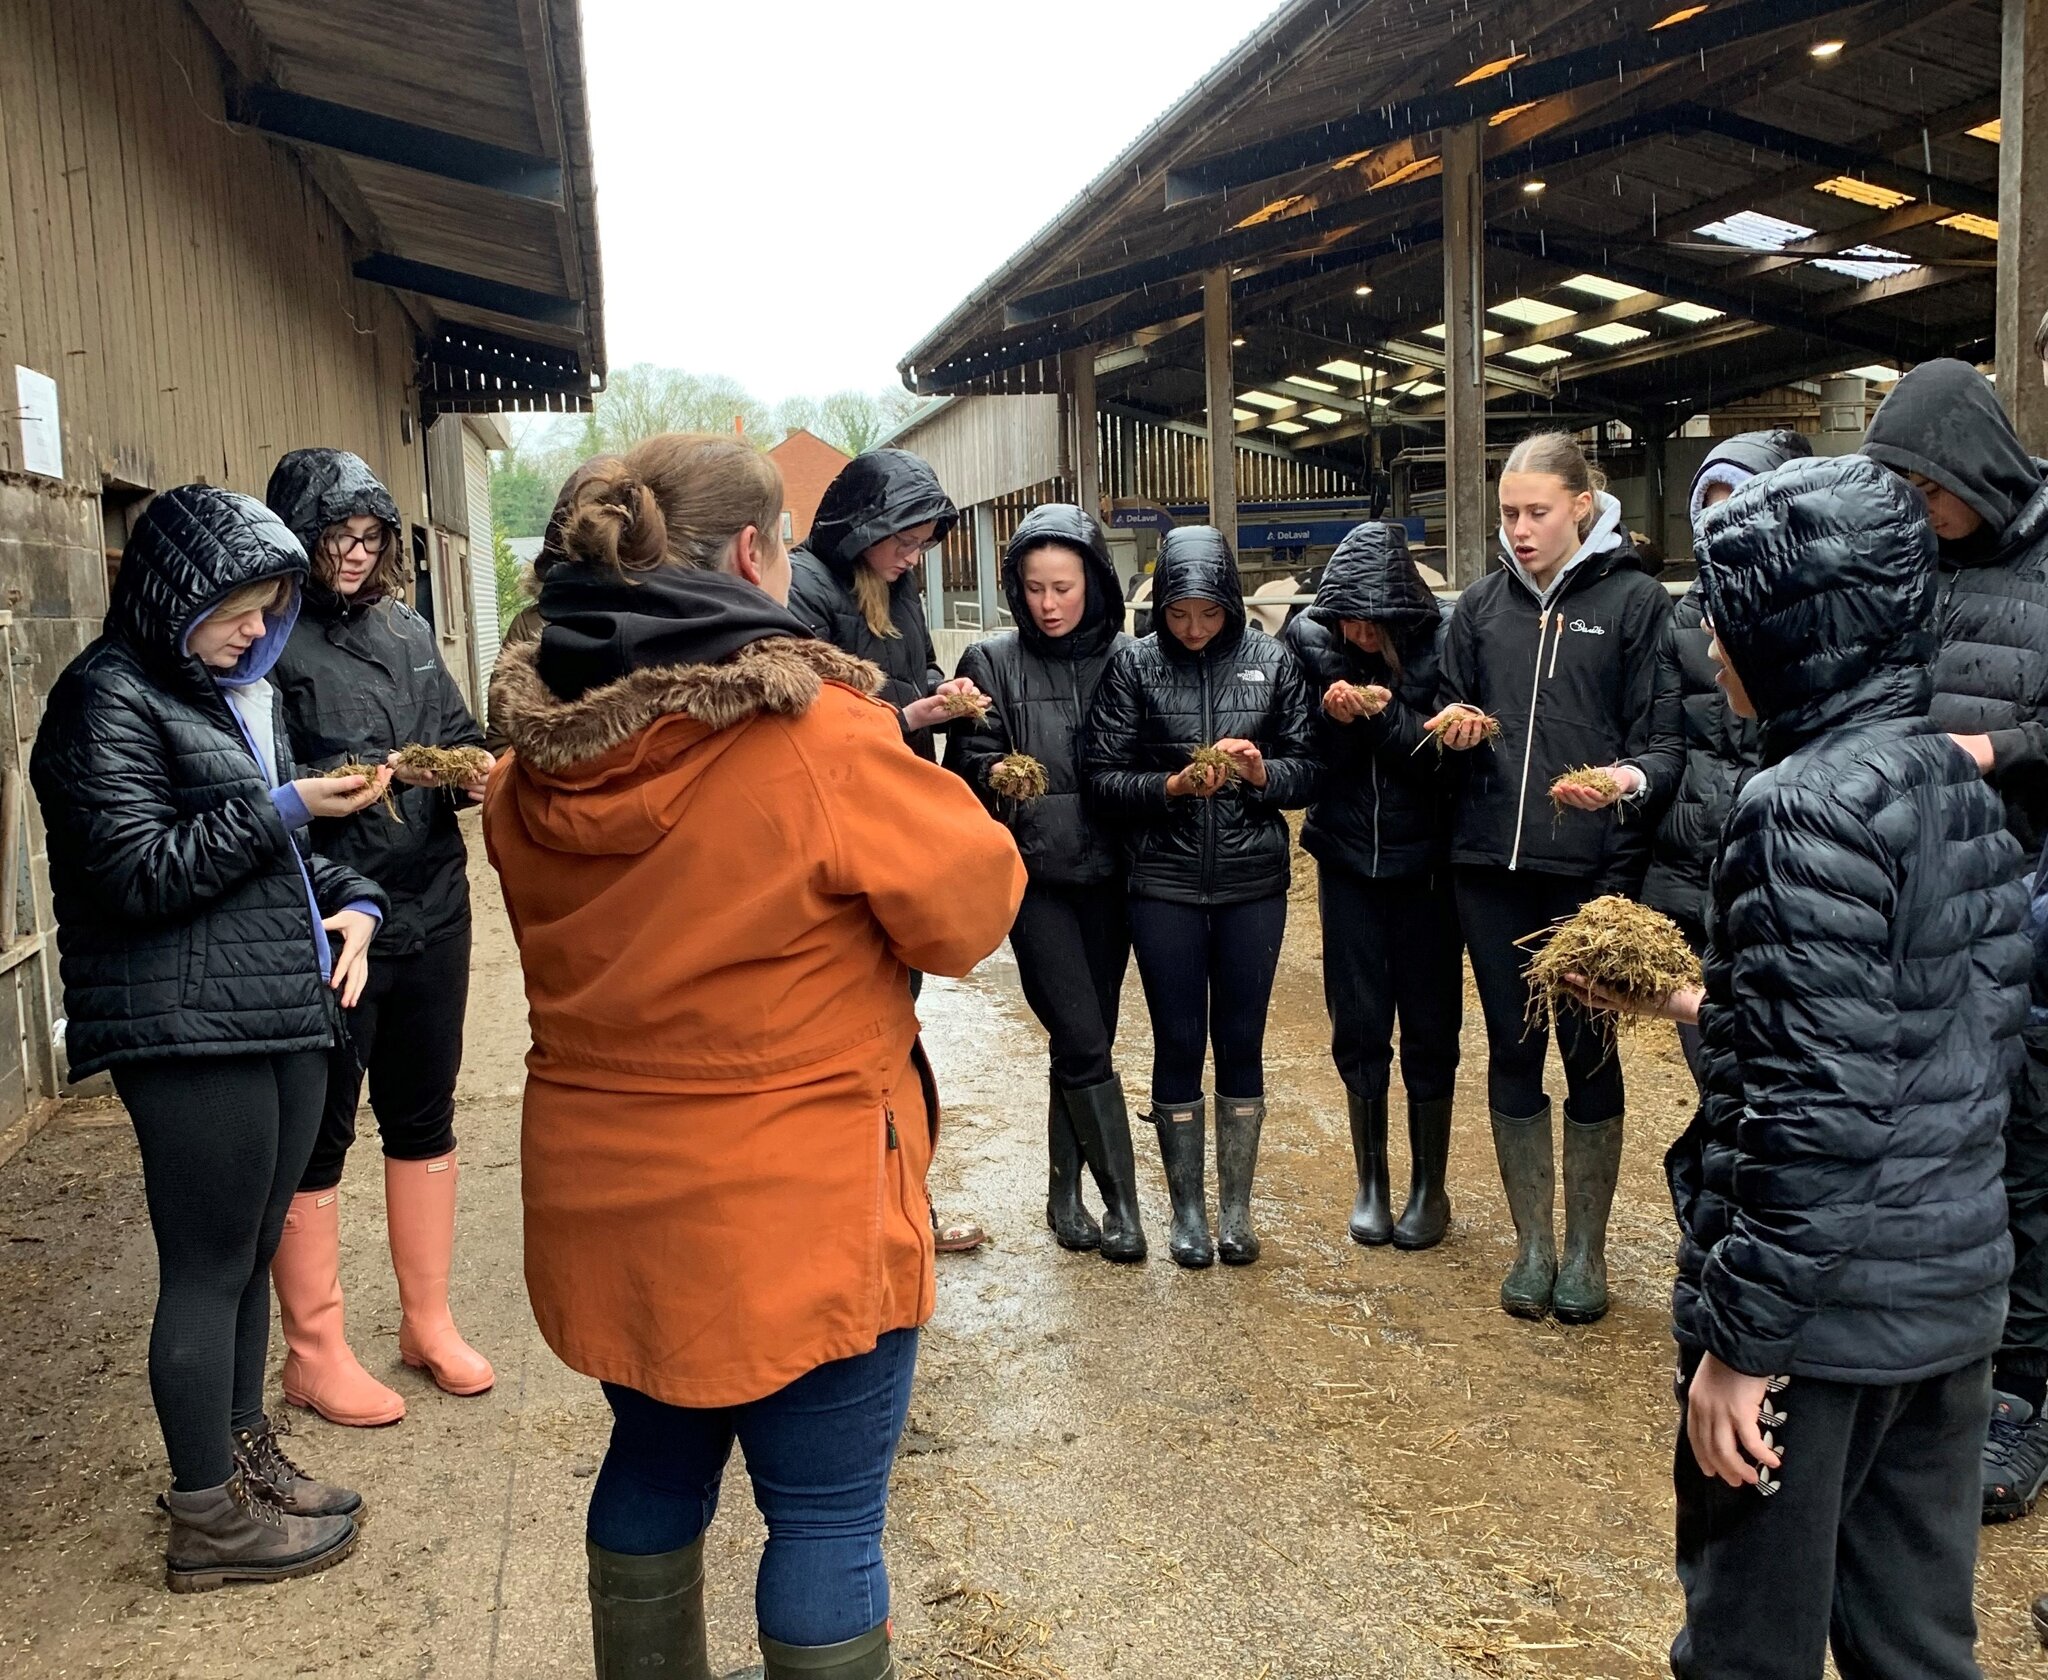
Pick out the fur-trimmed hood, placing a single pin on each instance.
(779, 676)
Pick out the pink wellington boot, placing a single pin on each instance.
(320, 1371)
(419, 1205)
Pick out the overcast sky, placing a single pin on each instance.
(794, 194)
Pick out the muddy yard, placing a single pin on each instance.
(1335, 1463)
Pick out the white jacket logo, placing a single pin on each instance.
(1585, 629)
(1251, 676)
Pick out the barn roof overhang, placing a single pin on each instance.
(453, 139)
(1685, 204)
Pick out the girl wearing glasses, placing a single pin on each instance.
(361, 677)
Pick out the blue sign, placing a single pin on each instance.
(1140, 519)
(1305, 533)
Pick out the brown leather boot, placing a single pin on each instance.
(283, 1483)
(226, 1534)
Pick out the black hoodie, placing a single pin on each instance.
(1573, 681)
(1042, 687)
(1943, 421)
(875, 495)
(361, 678)
(1380, 808)
(1839, 1205)
(1158, 702)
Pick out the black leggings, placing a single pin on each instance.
(1392, 947)
(406, 1030)
(1498, 907)
(1200, 961)
(1072, 946)
(224, 1140)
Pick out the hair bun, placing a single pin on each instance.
(606, 516)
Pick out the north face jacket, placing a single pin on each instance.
(1158, 702)
(185, 901)
(1838, 1194)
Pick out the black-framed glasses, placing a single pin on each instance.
(338, 544)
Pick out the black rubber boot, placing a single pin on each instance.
(1238, 1124)
(1592, 1167)
(1372, 1215)
(647, 1614)
(1072, 1225)
(1428, 1214)
(1529, 1176)
(1102, 1125)
(863, 1658)
(1183, 1137)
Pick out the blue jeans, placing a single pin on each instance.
(819, 1453)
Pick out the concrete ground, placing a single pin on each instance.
(1335, 1463)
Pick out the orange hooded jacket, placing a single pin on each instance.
(719, 877)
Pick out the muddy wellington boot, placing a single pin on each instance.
(865, 1657)
(1529, 1176)
(1372, 1215)
(1102, 1125)
(1428, 1214)
(1066, 1215)
(1592, 1166)
(1183, 1136)
(1238, 1124)
(647, 1613)
(221, 1536)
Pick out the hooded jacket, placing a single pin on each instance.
(361, 678)
(876, 495)
(182, 890)
(1572, 676)
(1158, 702)
(1702, 746)
(1943, 421)
(1042, 687)
(728, 1120)
(1380, 805)
(1839, 1203)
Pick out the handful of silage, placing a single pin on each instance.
(1617, 946)
(969, 702)
(1590, 777)
(1489, 728)
(1019, 776)
(369, 773)
(450, 766)
(1213, 767)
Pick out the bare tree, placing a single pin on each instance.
(855, 421)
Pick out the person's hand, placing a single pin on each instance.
(1458, 728)
(1682, 1005)
(1979, 749)
(955, 685)
(340, 796)
(927, 713)
(1348, 702)
(1628, 780)
(1721, 1422)
(477, 788)
(474, 788)
(352, 966)
(1196, 781)
(1250, 762)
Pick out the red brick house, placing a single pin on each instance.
(808, 464)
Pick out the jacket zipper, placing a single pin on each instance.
(1529, 734)
(1375, 817)
(1208, 805)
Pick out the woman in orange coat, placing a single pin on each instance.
(701, 836)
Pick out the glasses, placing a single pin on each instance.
(905, 546)
(339, 546)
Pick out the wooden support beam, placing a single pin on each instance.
(1221, 394)
(474, 291)
(1085, 442)
(2023, 217)
(1465, 488)
(988, 562)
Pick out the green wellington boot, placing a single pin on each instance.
(1183, 1137)
(1066, 1215)
(1592, 1167)
(865, 1657)
(1529, 1176)
(1102, 1123)
(1239, 1121)
(647, 1614)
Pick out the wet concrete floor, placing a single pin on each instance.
(1338, 1462)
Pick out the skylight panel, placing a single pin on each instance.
(1492, 337)
(1531, 312)
(1754, 231)
(1692, 314)
(1863, 192)
(1877, 373)
(1982, 226)
(1868, 262)
(1323, 416)
(1599, 286)
(1420, 388)
(1312, 384)
(1265, 399)
(1615, 332)
(1540, 355)
(1287, 427)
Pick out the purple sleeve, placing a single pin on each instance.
(290, 808)
(367, 908)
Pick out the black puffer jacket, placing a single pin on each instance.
(182, 898)
(1838, 1195)
(875, 495)
(1573, 680)
(1943, 421)
(361, 679)
(1042, 687)
(1158, 702)
(1380, 808)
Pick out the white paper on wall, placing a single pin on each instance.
(42, 438)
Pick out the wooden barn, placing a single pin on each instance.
(231, 228)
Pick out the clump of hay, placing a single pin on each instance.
(1019, 776)
(1592, 778)
(369, 773)
(967, 703)
(1434, 729)
(1213, 767)
(1625, 949)
(450, 766)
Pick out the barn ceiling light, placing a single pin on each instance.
(1680, 16)
(1534, 187)
(1361, 291)
(1826, 49)
(1493, 67)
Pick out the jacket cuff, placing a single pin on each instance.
(291, 809)
(2013, 746)
(367, 908)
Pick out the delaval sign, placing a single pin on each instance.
(1304, 533)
